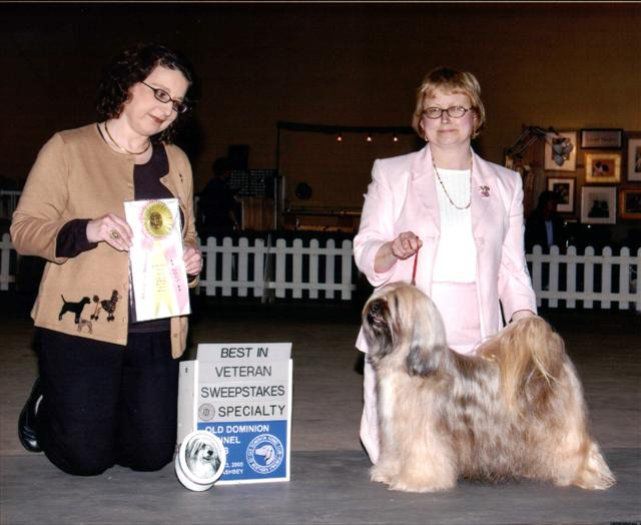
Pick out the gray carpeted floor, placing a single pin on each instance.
(329, 479)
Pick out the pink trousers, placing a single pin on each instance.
(458, 305)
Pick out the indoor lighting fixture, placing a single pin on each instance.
(369, 138)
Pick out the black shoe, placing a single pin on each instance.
(27, 420)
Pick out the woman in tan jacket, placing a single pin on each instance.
(107, 389)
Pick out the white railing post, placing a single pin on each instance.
(281, 264)
(313, 268)
(553, 276)
(346, 270)
(227, 266)
(588, 277)
(260, 253)
(330, 259)
(624, 279)
(606, 277)
(571, 259)
(243, 256)
(297, 268)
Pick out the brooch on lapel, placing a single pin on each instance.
(485, 191)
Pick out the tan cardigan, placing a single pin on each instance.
(78, 176)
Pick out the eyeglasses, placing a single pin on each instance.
(452, 111)
(162, 96)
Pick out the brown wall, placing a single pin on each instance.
(569, 66)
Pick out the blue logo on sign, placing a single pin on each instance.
(265, 453)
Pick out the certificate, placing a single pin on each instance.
(156, 265)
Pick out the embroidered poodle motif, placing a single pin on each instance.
(108, 305)
(75, 308)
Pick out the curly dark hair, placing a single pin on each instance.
(134, 65)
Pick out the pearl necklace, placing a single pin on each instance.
(445, 190)
(122, 147)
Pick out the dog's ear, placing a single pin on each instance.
(376, 324)
(428, 345)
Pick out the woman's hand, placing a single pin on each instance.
(193, 259)
(110, 229)
(404, 246)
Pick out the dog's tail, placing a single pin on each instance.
(63, 298)
(530, 357)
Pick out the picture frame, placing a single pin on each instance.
(602, 168)
(598, 204)
(564, 188)
(634, 159)
(601, 138)
(552, 153)
(630, 203)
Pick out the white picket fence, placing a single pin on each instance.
(311, 271)
(570, 277)
(281, 268)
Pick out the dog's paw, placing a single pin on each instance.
(420, 482)
(405, 486)
(380, 474)
(595, 475)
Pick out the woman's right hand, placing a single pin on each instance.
(111, 229)
(404, 246)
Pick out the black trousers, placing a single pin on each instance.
(105, 404)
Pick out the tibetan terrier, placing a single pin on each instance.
(515, 409)
(202, 458)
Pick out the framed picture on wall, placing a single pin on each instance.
(634, 159)
(601, 138)
(560, 152)
(630, 203)
(598, 204)
(564, 188)
(602, 167)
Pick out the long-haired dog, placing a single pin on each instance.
(513, 410)
(202, 458)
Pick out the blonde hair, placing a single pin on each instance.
(453, 81)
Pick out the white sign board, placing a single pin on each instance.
(242, 393)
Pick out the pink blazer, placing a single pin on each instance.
(402, 197)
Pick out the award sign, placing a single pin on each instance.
(156, 261)
(241, 393)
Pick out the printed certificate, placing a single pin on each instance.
(156, 263)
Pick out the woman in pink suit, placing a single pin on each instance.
(459, 217)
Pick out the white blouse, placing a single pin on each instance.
(456, 252)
